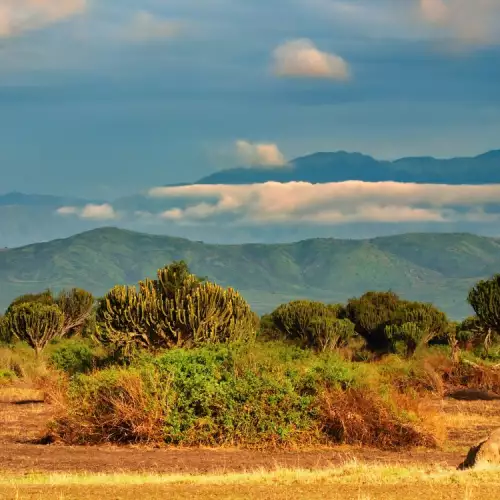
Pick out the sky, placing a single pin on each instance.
(101, 98)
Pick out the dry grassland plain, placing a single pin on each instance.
(34, 471)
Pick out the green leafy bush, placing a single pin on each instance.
(266, 395)
(75, 356)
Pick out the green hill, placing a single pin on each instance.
(433, 267)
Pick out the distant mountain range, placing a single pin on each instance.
(28, 218)
(342, 166)
(439, 268)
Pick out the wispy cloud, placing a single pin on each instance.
(146, 26)
(332, 203)
(472, 21)
(259, 154)
(90, 211)
(19, 16)
(301, 58)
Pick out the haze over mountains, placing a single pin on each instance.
(430, 267)
(29, 218)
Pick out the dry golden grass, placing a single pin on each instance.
(353, 480)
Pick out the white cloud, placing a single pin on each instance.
(301, 58)
(90, 211)
(260, 154)
(67, 210)
(146, 26)
(472, 21)
(332, 203)
(19, 16)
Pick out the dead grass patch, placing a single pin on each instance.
(358, 417)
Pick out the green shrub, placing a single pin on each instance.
(267, 395)
(311, 324)
(76, 356)
(390, 324)
(6, 376)
(5, 331)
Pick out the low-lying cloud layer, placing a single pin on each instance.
(332, 203)
(19, 16)
(301, 58)
(90, 211)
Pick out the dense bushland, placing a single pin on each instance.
(260, 395)
(185, 362)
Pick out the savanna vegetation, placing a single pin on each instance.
(182, 361)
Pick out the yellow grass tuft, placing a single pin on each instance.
(351, 473)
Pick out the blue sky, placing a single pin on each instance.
(100, 98)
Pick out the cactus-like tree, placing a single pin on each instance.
(371, 313)
(35, 323)
(176, 309)
(76, 305)
(484, 298)
(313, 324)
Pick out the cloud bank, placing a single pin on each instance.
(19, 16)
(301, 58)
(90, 211)
(259, 154)
(332, 203)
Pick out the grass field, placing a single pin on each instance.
(353, 480)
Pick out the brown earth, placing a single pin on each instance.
(24, 417)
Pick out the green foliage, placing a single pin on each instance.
(405, 337)
(177, 309)
(44, 297)
(312, 324)
(265, 395)
(390, 324)
(6, 376)
(433, 267)
(5, 332)
(35, 323)
(75, 356)
(484, 298)
(77, 306)
(328, 333)
(371, 313)
(470, 332)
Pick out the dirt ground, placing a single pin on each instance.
(24, 416)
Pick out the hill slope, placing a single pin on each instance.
(431, 267)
